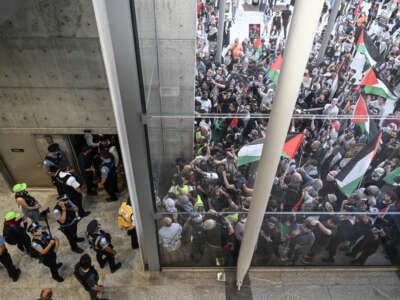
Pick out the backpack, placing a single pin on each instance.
(125, 213)
(8, 236)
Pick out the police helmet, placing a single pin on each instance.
(92, 226)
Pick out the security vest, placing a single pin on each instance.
(69, 190)
(43, 240)
(94, 239)
(125, 213)
(69, 218)
(55, 161)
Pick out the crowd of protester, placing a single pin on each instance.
(207, 204)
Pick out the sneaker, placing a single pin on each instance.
(17, 276)
(102, 265)
(85, 213)
(59, 265)
(58, 278)
(116, 267)
(80, 239)
(77, 250)
(109, 199)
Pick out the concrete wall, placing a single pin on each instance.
(167, 47)
(52, 77)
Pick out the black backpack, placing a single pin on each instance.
(9, 236)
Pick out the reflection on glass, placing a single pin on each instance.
(324, 238)
(335, 198)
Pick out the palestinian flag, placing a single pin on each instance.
(349, 178)
(360, 115)
(292, 146)
(375, 86)
(392, 176)
(366, 47)
(252, 152)
(275, 69)
(357, 11)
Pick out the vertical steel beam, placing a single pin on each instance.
(121, 59)
(301, 33)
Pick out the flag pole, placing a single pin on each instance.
(301, 34)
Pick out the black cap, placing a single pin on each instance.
(53, 147)
(92, 226)
(34, 227)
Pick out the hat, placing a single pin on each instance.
(53, 147)
(19, 187)
(92, 226)
(209, 224)
(34, 227)
(11, 215)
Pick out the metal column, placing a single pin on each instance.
(121, 59)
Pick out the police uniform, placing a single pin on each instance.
(70, 225)
(49, 259)
(85, 163)
(69, 185)
(5, 259)
(108, 172)
(100, 241)
(54, 161)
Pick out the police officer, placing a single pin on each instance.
(47, 246)
(85, 159)
(15, 234)
(71, 187)
(100, 241)
(54, 160)
(88, 277)
(65, 213)
(108, 175)
(29, 205)
(5, 259)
